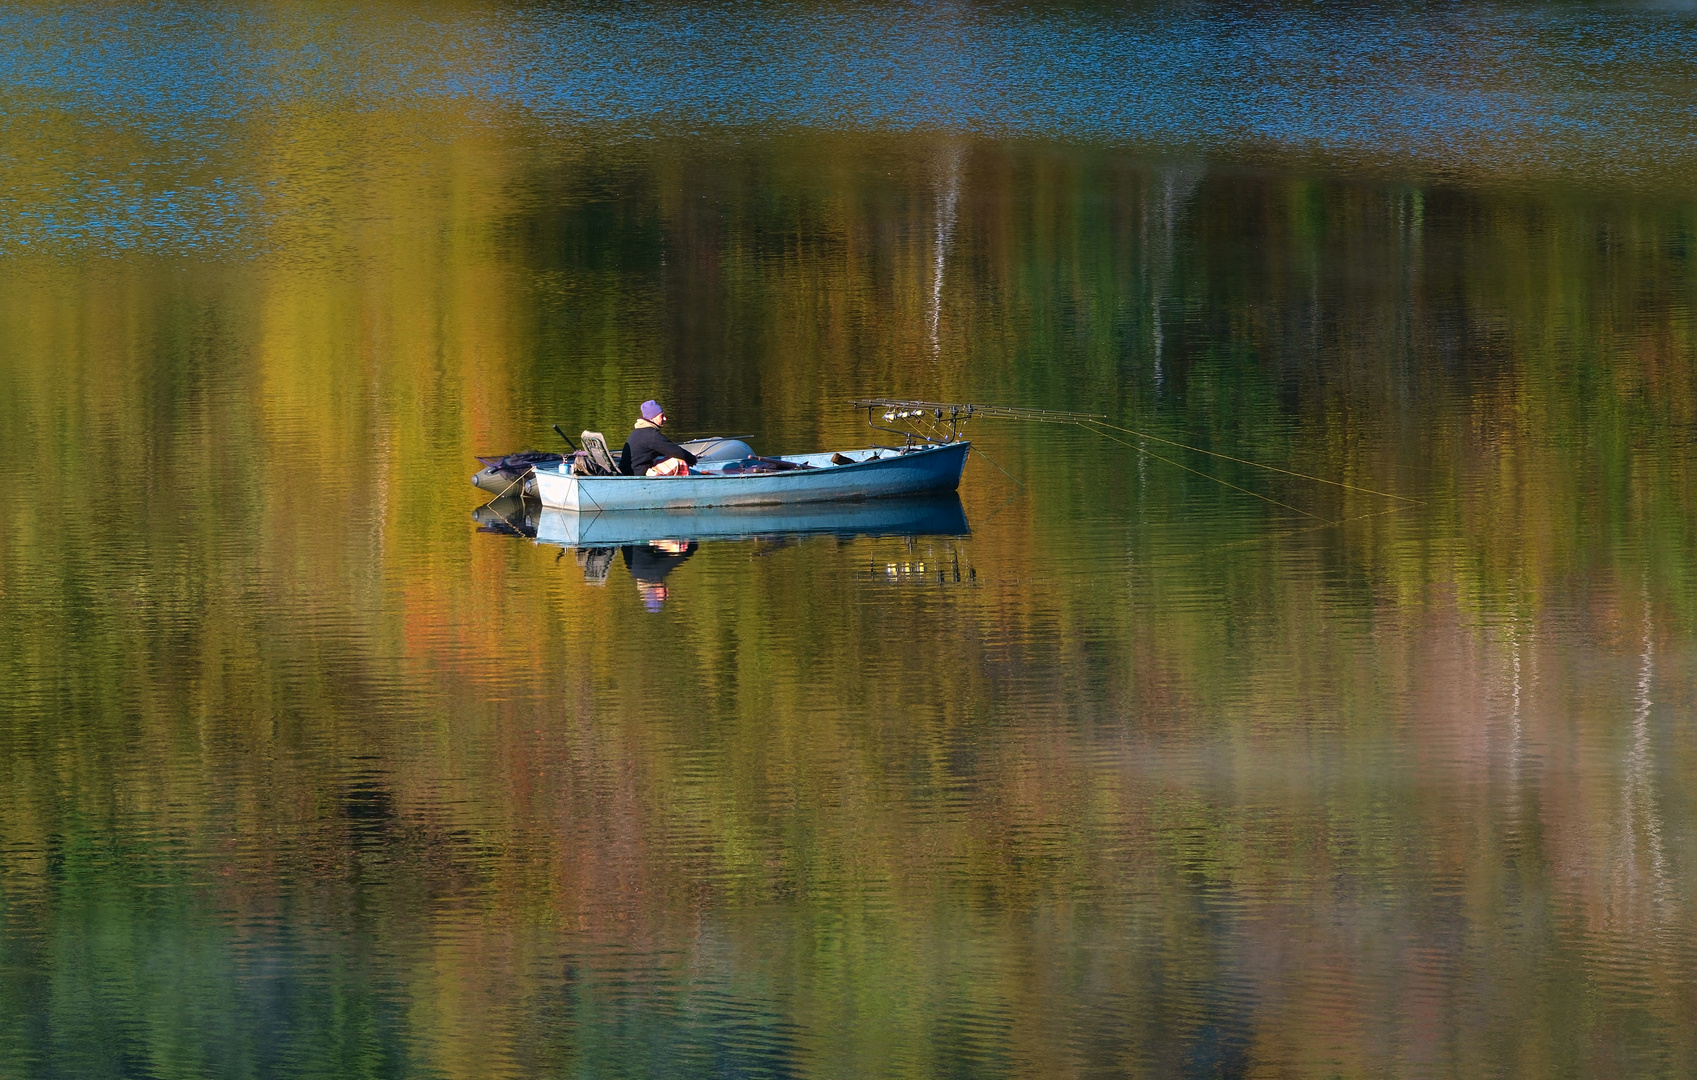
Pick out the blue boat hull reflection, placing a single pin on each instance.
(931, 515)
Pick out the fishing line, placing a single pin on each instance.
(930, 414)
(520, 479)
(936, 428)
(943, 435)
(1245, 461)
(999, 469)
(505, 520)
(1217, 480)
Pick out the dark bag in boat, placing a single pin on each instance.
(762, 465)
(517, 463)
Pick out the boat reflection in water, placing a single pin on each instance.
(932, 514)
(653, 543)
(508, 516)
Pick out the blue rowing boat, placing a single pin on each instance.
(829, 476)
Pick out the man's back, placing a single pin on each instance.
(648, 445)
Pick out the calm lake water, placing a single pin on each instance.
(1136, 761)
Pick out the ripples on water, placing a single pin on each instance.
(307, 776)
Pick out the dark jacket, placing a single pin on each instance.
(646, 446)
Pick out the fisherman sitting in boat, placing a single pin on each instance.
(649, 453)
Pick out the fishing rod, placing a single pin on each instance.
(934, 414)
(952, 413)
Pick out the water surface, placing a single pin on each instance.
(1166, 764)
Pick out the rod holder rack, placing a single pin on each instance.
(952, 413)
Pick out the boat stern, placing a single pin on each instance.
(557, 488)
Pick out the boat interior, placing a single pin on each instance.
(724, 457)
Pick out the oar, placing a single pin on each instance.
(562, 435)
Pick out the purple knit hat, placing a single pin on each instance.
(651, 409)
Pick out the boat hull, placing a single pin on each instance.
(930, 468)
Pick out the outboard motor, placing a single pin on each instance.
(719, 449)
